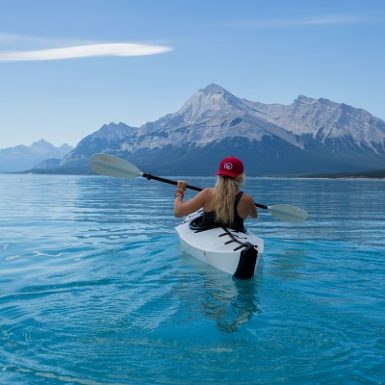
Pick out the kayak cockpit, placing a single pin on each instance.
(233, 252)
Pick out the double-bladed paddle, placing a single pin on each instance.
(111, 165)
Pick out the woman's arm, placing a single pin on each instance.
(247, 207)
(181, 208)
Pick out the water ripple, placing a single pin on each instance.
(94, 289)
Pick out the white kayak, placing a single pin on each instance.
(233, 252)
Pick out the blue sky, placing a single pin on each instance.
(68, 67)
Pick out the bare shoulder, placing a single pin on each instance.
(206, 193)
(208, 198)
(247, 206)
(208, 190)
(248, 199)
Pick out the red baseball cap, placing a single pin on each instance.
(230, 167)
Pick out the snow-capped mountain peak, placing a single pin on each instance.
(208, 101)
(114, 131)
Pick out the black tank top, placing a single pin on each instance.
(209, 217)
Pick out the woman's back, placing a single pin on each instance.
(210, 216)
(222, 199)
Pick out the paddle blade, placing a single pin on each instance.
(288, 213)
(111, 165)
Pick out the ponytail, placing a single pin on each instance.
(226, 190)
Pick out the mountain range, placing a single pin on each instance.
(307, 136)
(21, 157)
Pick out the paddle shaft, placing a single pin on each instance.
(173, 182)
(111, 165)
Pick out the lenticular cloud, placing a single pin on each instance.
(83, 51)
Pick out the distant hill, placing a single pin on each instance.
(306, 137)
(20, 158)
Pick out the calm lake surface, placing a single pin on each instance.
(94, 289)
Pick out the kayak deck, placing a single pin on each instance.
(219, 247)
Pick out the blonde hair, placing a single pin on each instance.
(225, 192)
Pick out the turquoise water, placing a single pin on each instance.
(94, 289)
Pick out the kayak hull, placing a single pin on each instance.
(219, 247)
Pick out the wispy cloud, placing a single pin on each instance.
(323, 20)
(13, 38)
(329, 20)
(80, 51)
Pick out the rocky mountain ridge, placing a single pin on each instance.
(307, 136)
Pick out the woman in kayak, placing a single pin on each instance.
(223, 205)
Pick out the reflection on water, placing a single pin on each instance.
(218, 296)
(238, 308)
